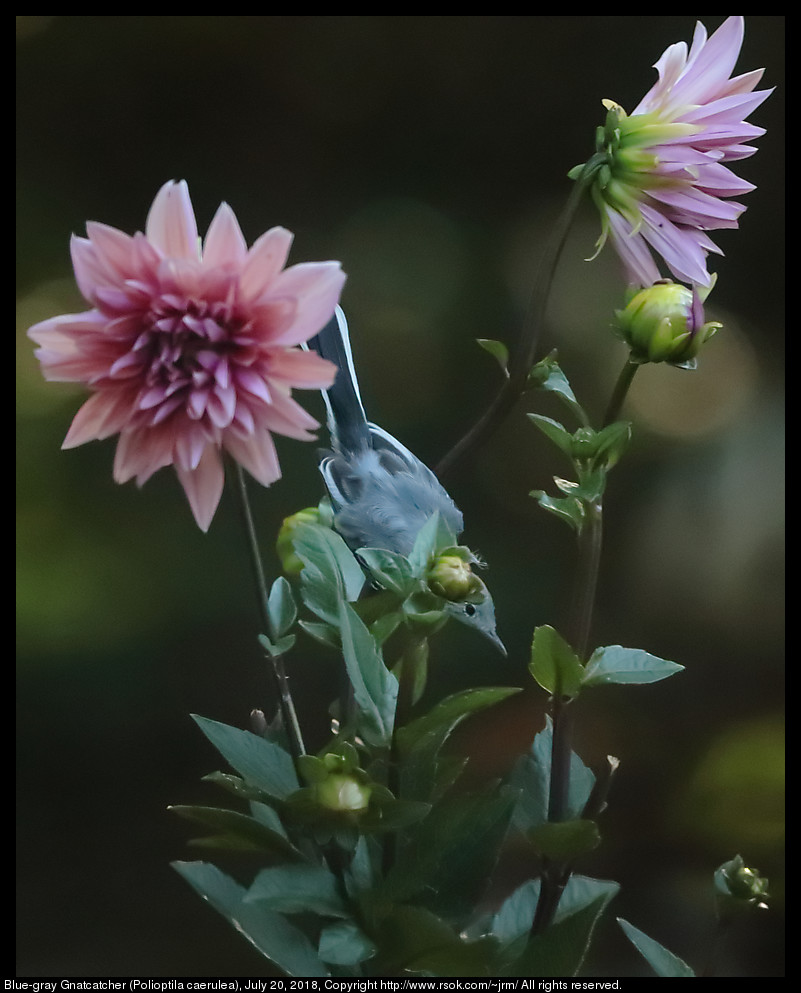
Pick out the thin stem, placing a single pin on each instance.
(620, 391)
(555, 876)
(285, 702)
(525, 353)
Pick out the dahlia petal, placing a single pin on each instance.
(171, 224)
(91, 271)
(710, 62)
(286, 416)
(189, 444)
(224, 243)
(265, 260)
(99, 417)
(203, 486)
(140, 453)
(256, 454)
(678, 247)
(301, 369)
(632, 250)
(316, 286)
(114, 247)
(252, 382)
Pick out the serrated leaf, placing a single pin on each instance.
(614, 664)
(554, 664)
(261, 763)
(269, 932)
(375, 689)
(663, 962)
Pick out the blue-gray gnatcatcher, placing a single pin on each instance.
(381, 493)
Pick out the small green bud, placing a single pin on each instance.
(343, 794)
(451, 577)
(665, 323)
(284, 545)
(739, 887)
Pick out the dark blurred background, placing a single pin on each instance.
(429, 154)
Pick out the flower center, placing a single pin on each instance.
(183, 357)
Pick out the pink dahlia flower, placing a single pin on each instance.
(191, 352)
(659, 174)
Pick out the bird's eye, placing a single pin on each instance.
(469, 609)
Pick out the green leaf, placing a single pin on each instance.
(421, 740)
(560, 950)
(269, 932)
(262, 764)
(563, 841)
(451, 853)
(433, 536)
(326, 634)
(279, 647)
(515, 916)
(547, 375)
(614, 664)
(532, 777)
(497, 349)
(330, 575)
(295, 889)
(343, 943)
(413, 939)
(663, 962)
(612, 441)
(554, 664)
(375, 689)
(568, 509)
(282, 610)
(557, 432)
(231, 824)
(389, 569)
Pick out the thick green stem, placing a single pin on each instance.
(285, 703)
(620, 391)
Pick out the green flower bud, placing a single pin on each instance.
(735, 880)
(665, 323)
(284, 544)
(739, 889)
(343, 794)
(451, 577)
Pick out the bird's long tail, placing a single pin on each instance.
(347, 422)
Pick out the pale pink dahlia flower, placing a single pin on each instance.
(191, 352)
(659, 177)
